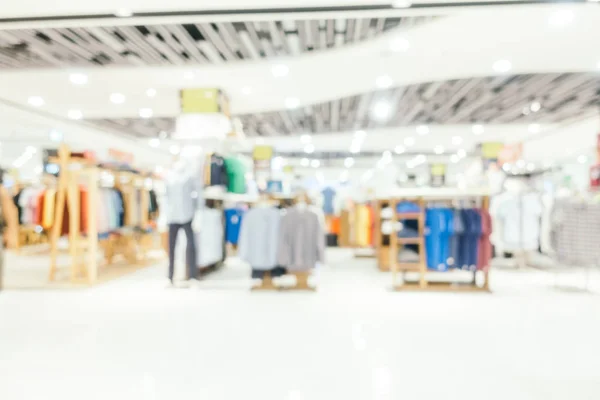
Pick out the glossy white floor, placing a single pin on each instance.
(353, 339)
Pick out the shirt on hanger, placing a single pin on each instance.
(259, 237)
(520, 215)
(328, 200)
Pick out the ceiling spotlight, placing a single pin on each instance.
(502, 66)
(520, 163)
(150, 92)
(530, 167)
(305, 138)
(560, 18)
(246, 90)
(360, 135)
(75, 114)
(348, 162)
(55, 136)
(438, 149)
(582, 159)
(78, 79)
(154, 142)
(478, 129)
(535, 106)
(462, 153)
(454, 158)
(422, 129)
(534, 128)
(280, 70)
(526, 110)
(399, 44)
(382, 110)
(399, 149)
(456, 140)
(36, 101)
(506, 167)
(174, 149)
(315, 163)
(291, 103)
(409, 141)
(401, 4)
(309, 149)
(117, 98)
(384, 82)
(146, 113)
(305, 162)
(123, 13)
(355, 149)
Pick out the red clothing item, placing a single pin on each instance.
(39, 209)
(484, 254)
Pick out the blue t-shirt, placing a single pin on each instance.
(233, 222)
(328, 197)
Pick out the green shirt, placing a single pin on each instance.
(236, 172)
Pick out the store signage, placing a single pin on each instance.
(437, 174)
(262, 153)
(204, 101)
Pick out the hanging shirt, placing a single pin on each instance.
(236, 175)
(328, 200)
(458, 230)
(436, 243)
(233, 221)
(259, 237)
(301, 240)
(485, 246)
(520, 215)
(218, 172)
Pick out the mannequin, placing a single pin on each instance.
(182, 199)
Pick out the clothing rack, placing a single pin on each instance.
(424, 282)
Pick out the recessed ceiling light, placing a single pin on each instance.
(305, 162)
(75, 114)
(454, 158)
(462, 153)
(291, 103)
(309, 148)
(438, 149)
(354, 149)
(560, 18)
(154, 142)
(534, 128)
(315, 163)
(456, 140)
(246, 90)
(174, 149)
(150, 92)
(535, 106)
(520, 163)
(146, 113)
(384, 82)
(582, 159)
(530, 167)
(360, 135)
(502, 66)
(117, 98)
(381, 111)
(36, 101)
(78, 78)
(526, 110)
(399, 44)
(506, 167)
(399, 149)
(305, 138)
(478, 129)
(280, 70)
(401, 4)
(348, 162)
(422, 129)
(409, 141)
(163, 134)
(123, 13)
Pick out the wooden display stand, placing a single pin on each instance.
(424, 282)
(382, 251)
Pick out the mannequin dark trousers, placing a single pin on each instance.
(190, 251)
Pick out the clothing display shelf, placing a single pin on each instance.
(421, 196)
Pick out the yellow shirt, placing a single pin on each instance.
(48, 210)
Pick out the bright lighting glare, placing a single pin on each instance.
(582, 159)
(348, 162)
(438, 149)
(305, 162)
(150, 92)
(534, 128)
(535, 106)
(56, 136)
(520, 163)
(454, 158)
(530, 167)
(146, 113)
(189, 75)
(344, 176)
(291, 103)
(409, 141)
(305, 138)
(382, 110)
(399, 149)
(478, 129)
(174, 149)
(163, 135)
(399, 44)
(355, 149)
(154, 142)
(462, 153)
(502, 66)
(315, 163)
(78, 79)
(36, 101)
(75, 114)
(422, 129)
(560, 18)
(246, 90)
(360, 135)
(506, 167)
(384, 82)
(123, 13)
(401, 4)
(526, 110)
(117, 98)
(456, 140)
(280, 70)
(309, 149)
(31, 150)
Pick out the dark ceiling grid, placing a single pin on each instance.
(185, 44)
(488, 100)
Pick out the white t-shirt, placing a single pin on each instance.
(520, 215)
